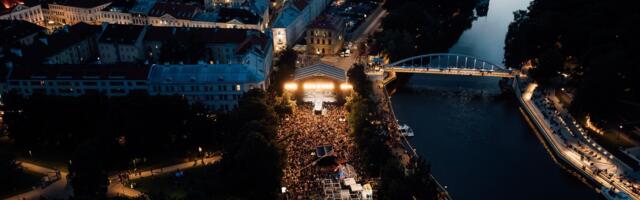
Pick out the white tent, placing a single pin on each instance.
(356, 187)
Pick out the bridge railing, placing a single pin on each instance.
(447, 61)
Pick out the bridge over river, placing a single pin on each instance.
(446, 64)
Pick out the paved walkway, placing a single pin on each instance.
(573, 151)
(60, 189)
(116, 188)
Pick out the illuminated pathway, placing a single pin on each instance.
(118, 189)
(59, 189)
(566, 147)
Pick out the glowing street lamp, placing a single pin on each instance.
(291, 86)
(346, 87)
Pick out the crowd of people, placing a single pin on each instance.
(301, 133)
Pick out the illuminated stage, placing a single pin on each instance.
(319, 84)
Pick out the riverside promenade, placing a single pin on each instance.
(573, 147)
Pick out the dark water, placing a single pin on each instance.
(478, 143)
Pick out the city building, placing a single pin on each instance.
(77, 80)
(219, 46)
(217, 87)
(29, 10)
(75, 11)
(70, 45)
(121, 44)
(292, 21)
(325, 36)
(18, 33)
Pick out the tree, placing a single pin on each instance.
(423, 26)
(10, 172)
(593, 44)
(88, 174)
(286, 66)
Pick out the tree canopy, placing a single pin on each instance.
(416, 27)
(588, 46)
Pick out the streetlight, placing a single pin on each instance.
(291, 86)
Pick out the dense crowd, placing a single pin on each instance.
(301, 133)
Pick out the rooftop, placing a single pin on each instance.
(12, 30)
(82, 3)
(328, 22)
(242, 15)
(203, 73)
(59, 40)
(143, 6)
(81, 72)
(124, 34)
(286, 17)
(177, 10)
(320, 70)
(120, 6)
(206, 35)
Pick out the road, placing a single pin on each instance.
(369, 28)
(574, 158)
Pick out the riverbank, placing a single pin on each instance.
(402, 148)
(604, 170)
(477, 141)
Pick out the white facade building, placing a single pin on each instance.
(74, 11)
(293, 19)
(25, 11)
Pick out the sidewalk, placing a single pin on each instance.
(584, 156)
(116, 188)
(58, 189)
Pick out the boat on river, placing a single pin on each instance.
(406, 130)
(611, 194)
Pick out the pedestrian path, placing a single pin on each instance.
(61, 189)
(117, 188)
(58, 189)
(585, 156)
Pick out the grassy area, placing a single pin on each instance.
(172, 187)
(24, 183)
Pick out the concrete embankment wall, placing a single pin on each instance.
(551, 147)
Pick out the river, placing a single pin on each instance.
(478, 143)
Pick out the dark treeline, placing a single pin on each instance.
(594, 42)
(285, 68)
(373, 148)
(251, 167)
(136, 126)
(98, 136)
(415, 27)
